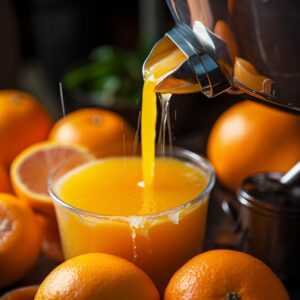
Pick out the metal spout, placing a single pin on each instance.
(199, 72)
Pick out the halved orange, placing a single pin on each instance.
(30, 171)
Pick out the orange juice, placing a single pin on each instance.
(119, 181)
(106, 208)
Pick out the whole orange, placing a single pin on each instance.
(5, 186)
(20, 239)
(51, 244)
(225, 274)
(92, 128)
(97, 276)
(23, 293)
(249, 138)
(23, 121)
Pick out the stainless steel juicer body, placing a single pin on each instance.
(243, 46)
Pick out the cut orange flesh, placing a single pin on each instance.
(31, 169)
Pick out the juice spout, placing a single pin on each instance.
(181, 64)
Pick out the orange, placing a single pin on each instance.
(51, 244)
(30, 171)
(20, 239)
(219, 274)
(23, 293)
(97, 276)
(250, 138)
(92, 128)
(23, 121)
(5, 186)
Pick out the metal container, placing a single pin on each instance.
(269, 219)
(241, 47)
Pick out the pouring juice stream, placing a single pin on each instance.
(167, 63)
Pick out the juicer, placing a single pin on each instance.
(249, 48)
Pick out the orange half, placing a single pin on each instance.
(31, 169)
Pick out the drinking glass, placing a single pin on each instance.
(158, 243)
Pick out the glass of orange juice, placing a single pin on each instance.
(102, 205)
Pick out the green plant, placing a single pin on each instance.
(110, 76)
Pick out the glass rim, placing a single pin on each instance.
(168, 150)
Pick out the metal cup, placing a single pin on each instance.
(269, 222)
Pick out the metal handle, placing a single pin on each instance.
(291, 175)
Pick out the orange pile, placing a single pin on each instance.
(246, 139)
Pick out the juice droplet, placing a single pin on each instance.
(134, 248)
(175, 217)
(139, 226)
(165, 123)
(135, 223)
